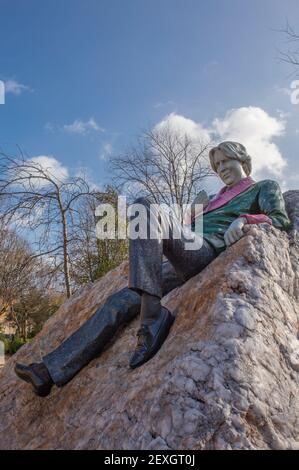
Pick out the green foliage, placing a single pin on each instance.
(11, 345)
(29, 287)
(111, 253)
(14, 345)
(28, 315)
(4, 340)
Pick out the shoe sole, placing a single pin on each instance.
(40, 390)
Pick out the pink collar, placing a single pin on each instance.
(224, 196)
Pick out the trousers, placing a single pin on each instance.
(148, 272)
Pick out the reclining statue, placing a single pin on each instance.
(241, 201)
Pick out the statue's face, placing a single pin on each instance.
(230, 171)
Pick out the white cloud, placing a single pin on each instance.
(83, 127)
(252, 126)
(184, 126)
(14, 87)
(86, 174)
(50, 127)
(283, 90)
(161, 104)
(106, 151)
(256, 129)
(51, 166)
(29, 177)
(283, 114)
(178, 127)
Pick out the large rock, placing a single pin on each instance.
(226, 378)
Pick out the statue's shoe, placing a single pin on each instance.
(151, 337)
(37, 375)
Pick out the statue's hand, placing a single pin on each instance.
(235, 231)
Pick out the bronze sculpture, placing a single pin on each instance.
(241, 201)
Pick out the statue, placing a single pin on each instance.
(241, 201)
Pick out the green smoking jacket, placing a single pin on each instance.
(264, 197)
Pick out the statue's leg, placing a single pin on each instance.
(187, 262)
(146, 255)
(147, 274)
(168, 237)
(90, 339)
(170, 278)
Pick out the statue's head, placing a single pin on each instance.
(231, 162)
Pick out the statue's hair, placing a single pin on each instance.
(234, 151)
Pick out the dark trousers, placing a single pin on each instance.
(147, 272)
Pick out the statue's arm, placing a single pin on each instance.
(272, 205)
(272, 211)
(192, 211)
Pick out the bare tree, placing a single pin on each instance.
(27, 294)
(291, 56)
(35, 198)
(31, 310)
(15, 268)
(91, 257)
(167, 165)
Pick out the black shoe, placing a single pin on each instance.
(151, 337)
(37, 375)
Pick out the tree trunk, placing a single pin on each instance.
(66, 268)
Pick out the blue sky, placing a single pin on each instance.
(85, 77)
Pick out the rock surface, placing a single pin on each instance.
(226, 378)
